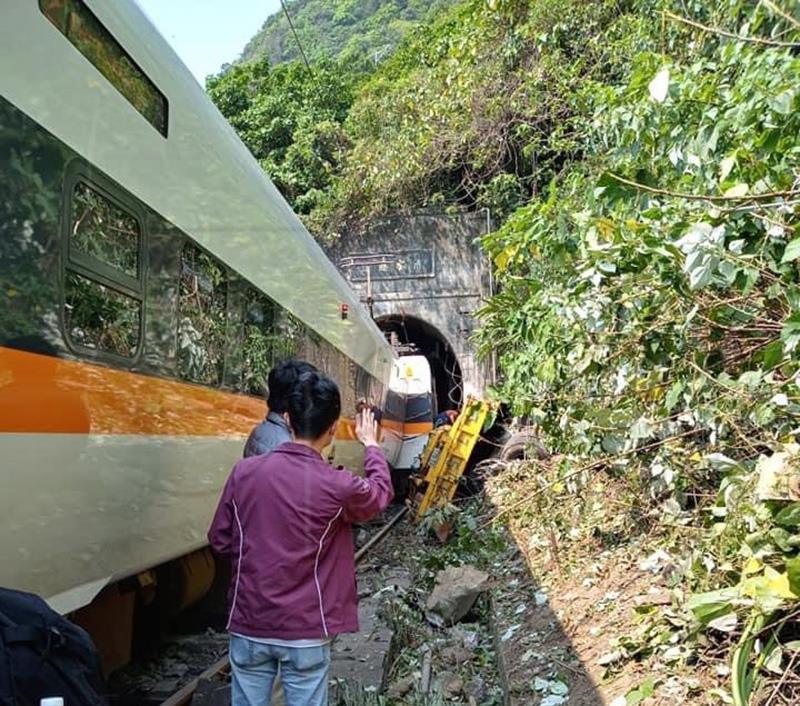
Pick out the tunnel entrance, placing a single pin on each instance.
(412, 336)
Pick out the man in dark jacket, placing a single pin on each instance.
(274, 430)
(284, 521)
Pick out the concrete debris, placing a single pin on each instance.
(455, 654)
(655, 562)
(510, 632)
(456, 590)
(654, 598)
(470, 638)
(402, 686)
(448, 684)
(477, 690)
(540, 684)
(425, 678)
(553, 700)
(609, 658)
(554, 691)
(358, 658)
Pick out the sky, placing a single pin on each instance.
(208, 33)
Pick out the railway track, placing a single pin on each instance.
(218, 671)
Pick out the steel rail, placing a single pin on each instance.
(380, 534)
(185, 693)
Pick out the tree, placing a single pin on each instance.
(291, 119)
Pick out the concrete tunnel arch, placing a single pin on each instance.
(424, 276)
(419, 337)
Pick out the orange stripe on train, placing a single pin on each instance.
(41, 393)
(44, 394)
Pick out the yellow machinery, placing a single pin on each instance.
(446, 455)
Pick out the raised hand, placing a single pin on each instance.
(367, 427)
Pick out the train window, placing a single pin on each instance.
(103, 278)
(99, 318)
(269, 334)
(86, 33)
(202, 317)
(290, 336)
(258, 354)
(103, 231)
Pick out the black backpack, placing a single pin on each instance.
(43, 655)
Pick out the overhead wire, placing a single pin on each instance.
(294, 34)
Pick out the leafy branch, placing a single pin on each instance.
(724, 33)
(721, 198)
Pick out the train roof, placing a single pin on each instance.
(200, 177)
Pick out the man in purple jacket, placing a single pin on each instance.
(284, 521)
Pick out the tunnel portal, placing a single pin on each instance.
(424, 276)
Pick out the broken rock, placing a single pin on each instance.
(457, 588)
(455, 654)
(402, 686)
(448, 684)
(477, 689)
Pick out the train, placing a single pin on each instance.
(150, 276)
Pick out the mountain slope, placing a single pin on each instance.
(350, 30)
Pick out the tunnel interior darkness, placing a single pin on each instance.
(417, 337)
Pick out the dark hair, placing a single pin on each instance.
(314, 405)
(282, 379)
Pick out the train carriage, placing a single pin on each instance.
(150, 275)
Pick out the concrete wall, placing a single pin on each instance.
(432, 269)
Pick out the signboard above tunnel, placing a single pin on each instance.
(397, 264)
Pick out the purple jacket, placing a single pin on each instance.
(284, 521)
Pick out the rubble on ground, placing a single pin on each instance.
(457, 588)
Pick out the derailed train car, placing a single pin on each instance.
(150, 275)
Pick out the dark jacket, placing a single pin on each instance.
(267, 436)
(284, 521)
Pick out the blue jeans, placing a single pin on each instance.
(254, 665)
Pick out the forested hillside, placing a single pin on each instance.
(642, 162)
(346, 30)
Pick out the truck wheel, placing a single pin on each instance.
(522, 445)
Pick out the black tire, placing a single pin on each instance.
(522, 445)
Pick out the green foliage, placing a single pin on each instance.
(648, 314)
(479, 107)
(359, 33)
(291, 120)
(30, 180)
(466, 543)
